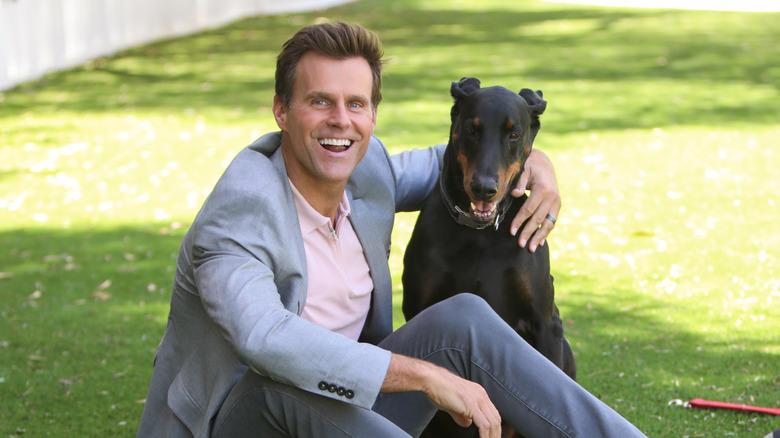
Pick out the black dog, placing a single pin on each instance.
(461, 242)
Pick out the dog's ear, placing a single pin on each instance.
(536, 104)
(464, 87)
(459, 90)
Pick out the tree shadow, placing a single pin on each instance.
(83, 311)
(633, 357)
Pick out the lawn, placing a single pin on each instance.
(663, 126)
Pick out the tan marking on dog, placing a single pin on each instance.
(454, 137)
(506, 176)
(510, 123)
(476, 122)
(468, 173)
(527, 151)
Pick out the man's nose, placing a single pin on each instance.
(339, 116)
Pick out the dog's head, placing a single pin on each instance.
(491, 136)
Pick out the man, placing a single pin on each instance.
(281, 313)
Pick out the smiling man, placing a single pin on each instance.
(326, 127)
(281, 313)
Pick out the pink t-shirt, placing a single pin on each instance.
(340, 285)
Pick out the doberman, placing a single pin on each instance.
(461, 242)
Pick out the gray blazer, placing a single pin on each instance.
(240, 285)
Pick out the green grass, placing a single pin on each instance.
(663, 125)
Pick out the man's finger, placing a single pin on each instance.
(489, 428)
(534, 209)
(530, 205)
(545, 227)
(460, 419)
(488, 420)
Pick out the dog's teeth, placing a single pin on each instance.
(473, 207)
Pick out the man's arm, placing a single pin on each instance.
(416, 173)
(466, 401)
(248, 270)
(545, 199)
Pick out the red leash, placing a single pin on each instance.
(699, 403)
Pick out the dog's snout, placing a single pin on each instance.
(484, 188)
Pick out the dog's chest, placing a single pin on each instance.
(478, 259)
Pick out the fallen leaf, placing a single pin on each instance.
(102, 296)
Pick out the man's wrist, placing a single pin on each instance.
(409, 374)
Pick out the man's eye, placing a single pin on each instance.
(319, 102)
(356, 105)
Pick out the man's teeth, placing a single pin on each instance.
(335, 142)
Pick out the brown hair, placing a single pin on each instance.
(335, 40)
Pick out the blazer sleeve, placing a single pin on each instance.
(248, 274)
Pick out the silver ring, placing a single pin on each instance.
(552, 218)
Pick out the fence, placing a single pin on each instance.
(40, 36)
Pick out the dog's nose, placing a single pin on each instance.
(484, 188)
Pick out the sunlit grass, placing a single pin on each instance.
(663, 127)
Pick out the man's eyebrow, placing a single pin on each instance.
(318, 95)
(327, 96)
(358, 98)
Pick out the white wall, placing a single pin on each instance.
(40, 36)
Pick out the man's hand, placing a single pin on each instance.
(466, 401)
(544, 201)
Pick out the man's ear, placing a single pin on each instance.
(280, 113)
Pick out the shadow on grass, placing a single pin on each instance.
(636, 360)
(83, 311)
(621, 49)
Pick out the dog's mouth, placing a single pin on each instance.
(335, 144)
(483, 212)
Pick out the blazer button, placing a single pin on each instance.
(341, 391)
(332, 387)
(349, 394)
(323, 386)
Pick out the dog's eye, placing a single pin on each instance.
(514, 136)
(469, 131)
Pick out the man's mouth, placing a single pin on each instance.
(335, 144)
(483, 211)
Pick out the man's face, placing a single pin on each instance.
(329, 123)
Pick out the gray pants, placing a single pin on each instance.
(462, 334)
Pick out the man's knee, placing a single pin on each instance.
(464, 311)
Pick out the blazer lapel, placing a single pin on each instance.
(278, 161)
(380, 316)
